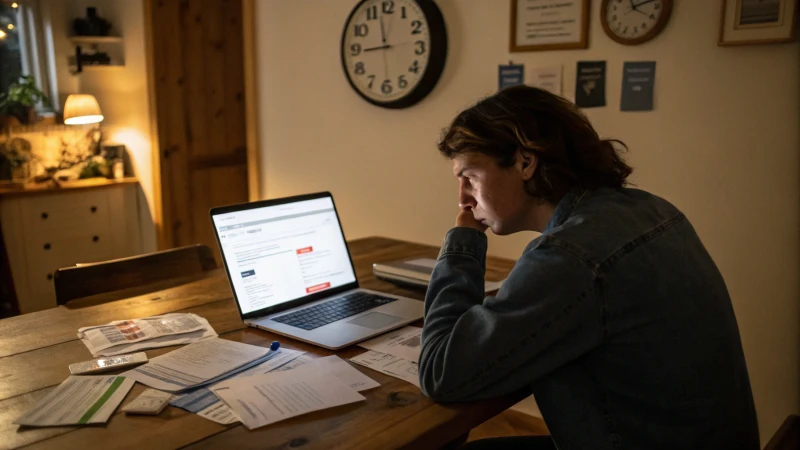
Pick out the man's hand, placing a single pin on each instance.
(465, 218)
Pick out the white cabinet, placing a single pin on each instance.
(44, 231)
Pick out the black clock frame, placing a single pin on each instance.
(436, 60)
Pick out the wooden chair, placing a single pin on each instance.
(84, 280)
(788, 435)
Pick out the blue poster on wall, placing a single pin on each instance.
(510, 75)
(638, 80)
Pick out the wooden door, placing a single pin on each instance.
(196, 54)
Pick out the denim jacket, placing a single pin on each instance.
(615, 318)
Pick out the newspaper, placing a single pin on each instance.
(79, 400)
(125, 336)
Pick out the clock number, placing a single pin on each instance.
(635, 29)
(388, 7)
(372, 12)
(652, 17)
(414, 67)
(360, 68)
(355, 49)
(614, 18)
(386, 87)
(417, 27)
(361, 29)
(371, 80)
(420, 48)
(657, 6)
(401, 82)
(403, 12)
(644, 25)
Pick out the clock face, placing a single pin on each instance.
(393, 50)
(635, 21)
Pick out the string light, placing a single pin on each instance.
(14, 5)
(2, 34)
(11, 26)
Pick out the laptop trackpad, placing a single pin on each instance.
(374, 320)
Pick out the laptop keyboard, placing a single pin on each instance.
(331, 311)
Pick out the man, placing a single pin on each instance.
(616, 317)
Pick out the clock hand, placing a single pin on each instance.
(634, 9)
(383, 34)
(381, 47)
(642, 3)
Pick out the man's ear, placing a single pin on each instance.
(526, 161)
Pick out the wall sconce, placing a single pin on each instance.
(81, 109)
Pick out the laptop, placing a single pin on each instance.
(291, 273)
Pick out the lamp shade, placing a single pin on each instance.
(82, 109)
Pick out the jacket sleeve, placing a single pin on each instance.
(545, 315)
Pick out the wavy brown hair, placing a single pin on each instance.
(569, 151)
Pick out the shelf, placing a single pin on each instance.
(90, 67)
(96, 39)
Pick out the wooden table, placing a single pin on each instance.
(36, 348)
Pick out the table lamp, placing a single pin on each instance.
(81, 109)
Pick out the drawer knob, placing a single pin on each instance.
(47, 246)
(49, 276)
(44, 216)
(93, 209)
(95, 238)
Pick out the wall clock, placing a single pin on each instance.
(632, 22)
(393, 51)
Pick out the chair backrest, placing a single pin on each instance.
(84, 280)
(788, 435)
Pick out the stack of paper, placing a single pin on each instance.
(79, 400)
(395, 353)
(318, 384)
(199, 364)
(126, 336)
(204, 403)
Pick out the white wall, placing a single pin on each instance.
(722, 144)
(121, 92)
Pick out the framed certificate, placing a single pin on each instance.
(748, 22)
(538, 25)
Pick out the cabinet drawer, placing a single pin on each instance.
(67, 212)
(57, 253)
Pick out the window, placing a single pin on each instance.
(23, 47)
(10, 48)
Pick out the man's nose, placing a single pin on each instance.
(465, 200)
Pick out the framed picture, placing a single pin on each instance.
(538, 25)
(749, 22)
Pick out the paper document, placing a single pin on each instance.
(126, 336)
(264, 399)
(547, 78)
(204, 403)
(339, 368)
(198, 364)
(390, 365)
(404, 343)
(79, 400)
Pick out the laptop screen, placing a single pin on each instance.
(279, 253)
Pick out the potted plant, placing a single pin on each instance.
(21, 99)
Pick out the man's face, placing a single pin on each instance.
(495, 195)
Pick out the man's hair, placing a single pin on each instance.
(568, 150)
